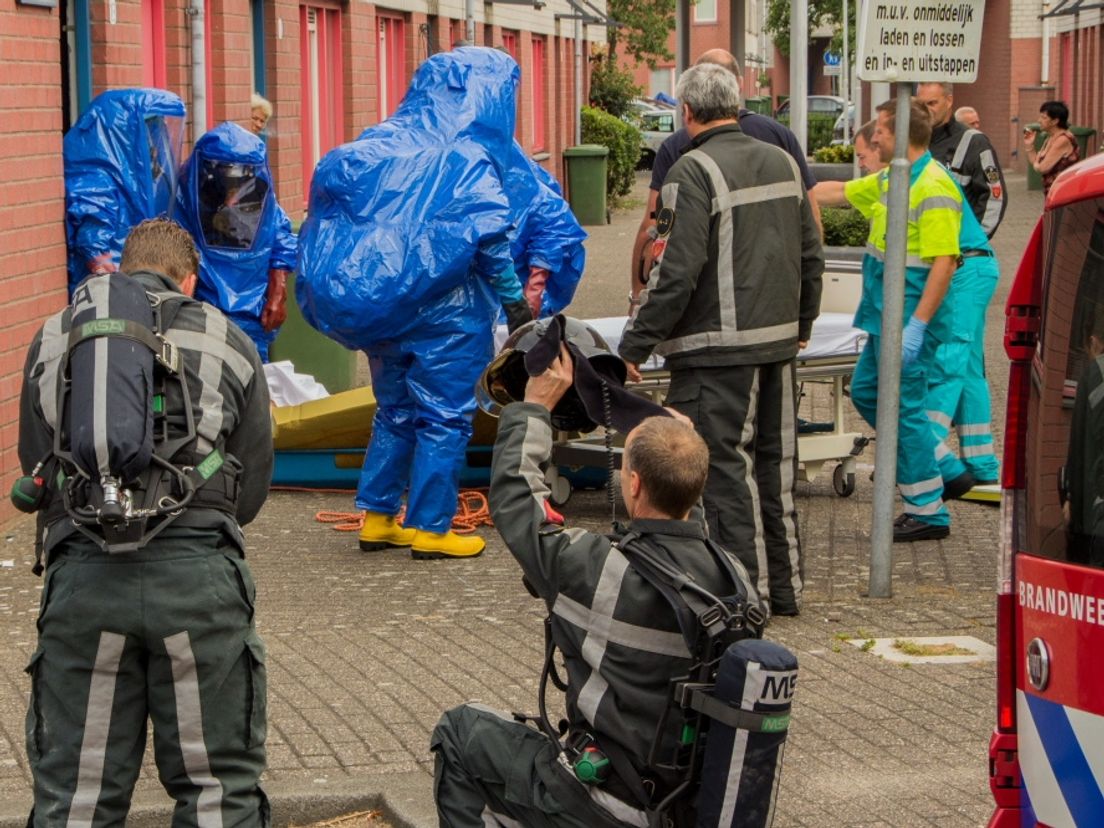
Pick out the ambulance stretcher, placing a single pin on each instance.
(829, 359)
(321, 443)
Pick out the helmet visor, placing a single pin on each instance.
(164, 134)
(231, 203)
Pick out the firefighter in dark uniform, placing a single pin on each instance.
(731, 301)
(619, 637)
(164, 632)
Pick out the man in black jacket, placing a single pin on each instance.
(732, 300)
(967, 154)
(165, 631)
(619, 636)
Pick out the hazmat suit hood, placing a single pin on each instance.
(415, 209)
(227, 202)
(121, 159)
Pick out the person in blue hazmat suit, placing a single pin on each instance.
(546, 244)
(121, 159)
(227, 202)
(405, 253)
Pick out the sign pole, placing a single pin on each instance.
(889, 360)
(845, 77)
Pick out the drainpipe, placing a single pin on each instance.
(1044, 75)
(199, 71)
(580, 30)
(469, 22)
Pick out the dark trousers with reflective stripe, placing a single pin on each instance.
(747, 415)
(494, 771)
(166, 634)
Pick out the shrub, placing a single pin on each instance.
(838, 154)
(612, 88)
(820, 128)
(623, 141)
(844, 227)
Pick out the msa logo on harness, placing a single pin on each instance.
(113, 443)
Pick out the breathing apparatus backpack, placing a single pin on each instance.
(733, 707)
(113, 446)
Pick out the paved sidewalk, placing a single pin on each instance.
(366, 650)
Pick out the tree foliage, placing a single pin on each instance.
(821, 12)
(645, 26)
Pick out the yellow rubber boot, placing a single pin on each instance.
(428, 545)
(382, 532)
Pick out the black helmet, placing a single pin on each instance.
(504, 379)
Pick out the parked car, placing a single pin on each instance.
(1046, 752)
(818, 105)
(837, 128)
(655, 127)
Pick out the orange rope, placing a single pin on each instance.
(472, 511)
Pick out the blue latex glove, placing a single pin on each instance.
(912, 340)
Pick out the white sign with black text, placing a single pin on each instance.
(920, 41)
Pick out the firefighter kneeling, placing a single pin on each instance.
(676, 710)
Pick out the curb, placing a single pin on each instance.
(406, 800)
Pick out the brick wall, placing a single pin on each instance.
(285, 154)
(116, 46)
(32, 204)
(230, 80)
(361, 34)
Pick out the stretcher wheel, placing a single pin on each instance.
(560, 487)
(843, 483)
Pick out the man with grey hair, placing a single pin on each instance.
(733, 296)
(968, 117)
(757, 126)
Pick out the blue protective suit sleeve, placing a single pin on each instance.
(285, 246)
(507, 286)
(492, 261)
(92, 211)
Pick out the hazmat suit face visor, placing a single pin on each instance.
(164, 136)
(231, 202)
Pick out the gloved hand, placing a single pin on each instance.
(912, 340)
(275, 309)
(517, 314)
(100, 264)
(534, 288)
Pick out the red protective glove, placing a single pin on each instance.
(534, 288)
(101, 264)
(275, 309)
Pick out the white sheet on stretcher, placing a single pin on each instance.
(833, 336)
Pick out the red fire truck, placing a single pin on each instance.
(1046, 756)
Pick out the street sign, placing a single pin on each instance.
(831, 64)
(918, 41)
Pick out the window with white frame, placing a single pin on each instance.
(705, 11)
(662, 80)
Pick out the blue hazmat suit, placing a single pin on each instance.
(121, 159)
(227, 202)
(405, 253)
(546, 233)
